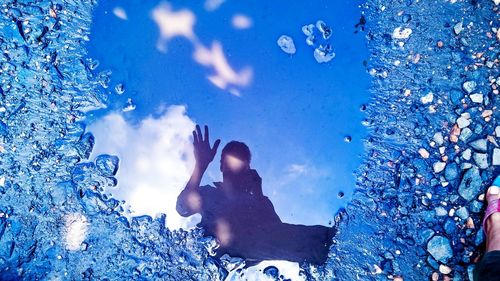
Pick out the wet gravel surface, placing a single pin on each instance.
(417, 211)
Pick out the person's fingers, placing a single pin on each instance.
(492, 193)
(195, 137)
(198, 131)
(206, 134)
(216, 145)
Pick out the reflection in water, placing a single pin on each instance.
(240, 216)
(180, 23)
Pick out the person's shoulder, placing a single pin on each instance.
(207, 188)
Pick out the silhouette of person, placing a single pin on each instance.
(236, 212)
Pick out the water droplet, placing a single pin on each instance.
(130, 106)
(340, 194)
(347, 139)
(119, 88)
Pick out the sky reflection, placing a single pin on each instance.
(218, 63)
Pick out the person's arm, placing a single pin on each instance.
(189, 200)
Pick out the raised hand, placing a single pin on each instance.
(202, 151)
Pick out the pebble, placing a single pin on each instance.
(469, 86)
(457, 28)
(427, 98)
(495, 159)
(440, 249)
(451, 171)
(424, 153)
(477, 98)
(439, 167)
(438, 138)
(479, 145)
(481, 160)
(401, 33)
(497, 131)
(444, 269)
(462, 213)
(465, 134)
(440, 211)
(463, 122)
(471, 183)
(286, 44)
(467, 154)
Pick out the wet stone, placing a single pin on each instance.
(495, 159)
(457, 28)
(481, 160)
(463, 122)
(462, 213)
(470, 185)
(477, 98)
(440, 211)
(467, 154)
(479, 145)
(456, 97)
(440, 249)
(438, 138)
(465, 134)
(469, 86)
(451, 171)
(476, 206)
(439, 167)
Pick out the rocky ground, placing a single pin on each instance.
(416, 214)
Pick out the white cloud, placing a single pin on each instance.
(120, 13)
(172, 24)
(180, 23)
(224, 76)
(240, 21)
(212, 5)
(156, 160)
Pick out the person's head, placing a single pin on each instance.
(235, 158)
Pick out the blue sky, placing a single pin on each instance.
(218, 63)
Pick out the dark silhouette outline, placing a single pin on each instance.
(240, 217)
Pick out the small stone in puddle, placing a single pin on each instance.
(495, 160)
(471, 183)
(481, 160)
(439, 167)
(479, 145)
(469, 86)
(440, 249)
(477, 98)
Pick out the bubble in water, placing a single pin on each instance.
(347, 139)
(340, 194)
(119, 88)
(286, 44)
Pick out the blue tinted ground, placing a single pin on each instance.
(430, 154)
